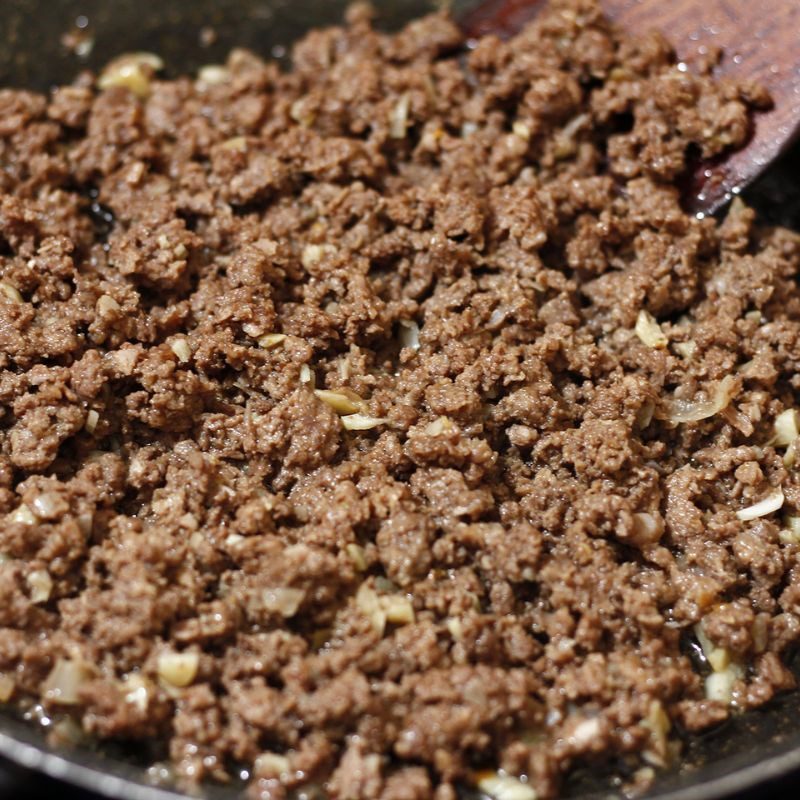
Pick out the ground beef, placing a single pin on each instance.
(384, 423)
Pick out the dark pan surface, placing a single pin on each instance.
(746, 752)
(33, 54)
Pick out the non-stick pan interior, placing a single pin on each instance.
(45, 42)
(49, 41)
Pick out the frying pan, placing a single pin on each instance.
(746, 752)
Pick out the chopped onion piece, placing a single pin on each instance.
(213, 74)
(368, 603)
(307, 376)
(644, 416)
(574, 125)
(106, 305)
(253, 329)
(10, 292)
(339, 402)
(361, 422)
(85, 522)
(63, 683)
(92, 418)
(238, 144)
(382, 609)
(7, 686)
(357, 556)
(685, 349)
(649, 331)
(771, 503)
(647, 528)
(792, 533)
(565, 144)
(398, 118)
(657, 719)
(496, 318)
(24, 515)
(49, 505)
(384, 584)
(314, 253)
(521, 130)
(181, 349)
(719, 685)
(125, 359)
(680, 411)
(283, 599)
(760, 633)
(786, 537)
(133, 71)
(786, 428)
(439, 426)
(409, 334)
(40, 584)
(136, 692)
(398, 610)
(178, 669)
(585, 732)
(271, 765)
(270, 340)
(455, 628)
(300, 114)
(719, 659)
(504, 787)
(145, 59)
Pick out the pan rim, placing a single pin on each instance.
(106, 775)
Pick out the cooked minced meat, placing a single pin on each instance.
(385, 424)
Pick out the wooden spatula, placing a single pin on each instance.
(761, 42)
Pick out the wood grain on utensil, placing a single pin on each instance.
(760, 40)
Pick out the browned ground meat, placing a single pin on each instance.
(497, 540)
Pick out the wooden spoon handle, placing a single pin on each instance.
(761, 42)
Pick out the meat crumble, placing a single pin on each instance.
(385, 426)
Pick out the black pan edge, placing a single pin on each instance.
(23, 745)
(755, 750)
